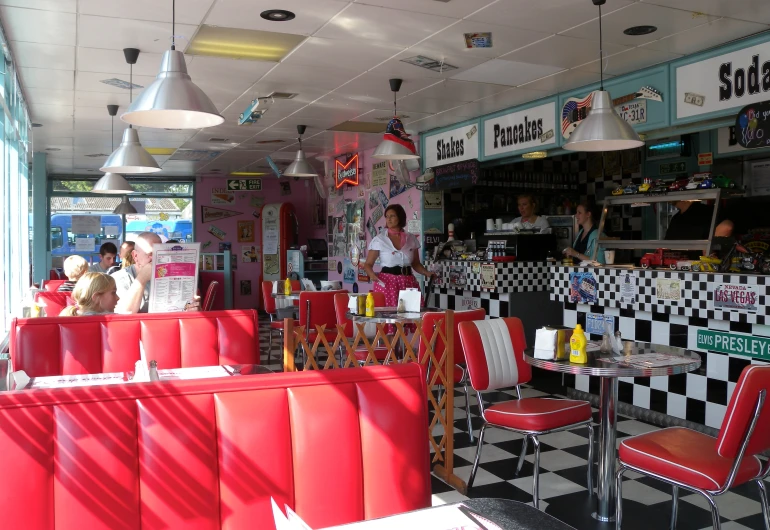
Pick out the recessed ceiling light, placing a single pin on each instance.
(247, 174)
(277, 15)
(232, 43)
(640, 30)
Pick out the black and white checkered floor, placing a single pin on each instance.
(563, 493)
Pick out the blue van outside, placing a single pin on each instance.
(180, 229)
(63, 239)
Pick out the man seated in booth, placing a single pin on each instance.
(134, 283)
(108, 251)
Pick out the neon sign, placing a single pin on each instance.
(346, 173)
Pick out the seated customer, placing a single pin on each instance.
(74, 268)
(587, 216)
(94, 294)
(107, 251)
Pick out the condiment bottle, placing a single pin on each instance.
(287, 287)
(577, 353)
(361, 304)
(370, 305)
(154, 371)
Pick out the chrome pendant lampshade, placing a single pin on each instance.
(396, 143)
(602, 129)
(300, 167)
(124, 207)
(131, 157)
(112, 183)
(173, 101)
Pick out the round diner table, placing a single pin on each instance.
(281, 296)
(389, 315)
(637, 359)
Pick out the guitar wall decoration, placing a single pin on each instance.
(575, 110)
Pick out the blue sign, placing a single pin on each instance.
(595, 323)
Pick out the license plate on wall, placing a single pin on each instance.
(633, 112)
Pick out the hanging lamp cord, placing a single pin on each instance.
(173, 23)
(601, 52)
(395, 112)
(130, 89)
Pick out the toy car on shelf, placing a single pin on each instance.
(618, 191)
(720, 181)
(645, 186)
(679, 185)
(706, 264)
(662, 258)
(658, 188)
(630, 189)
(700, 182)
(684, 265)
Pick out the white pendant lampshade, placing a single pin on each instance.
(130, 157)
(173, 101)
(396, 143)
(124, 207)
(300, 167)
(603, 129)
(112, 183)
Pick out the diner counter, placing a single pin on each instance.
(510, 277)
(724, 317)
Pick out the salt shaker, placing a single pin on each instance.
(154, 371)
(401, 306)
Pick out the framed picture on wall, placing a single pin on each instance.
(245, 231)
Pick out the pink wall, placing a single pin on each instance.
(302, 196)
(409, 199)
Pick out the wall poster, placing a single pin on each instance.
(379, 174)
(629, 281)
(736, 297)
(245, 231)
(668, 289)
(583, 287)
(488, 271)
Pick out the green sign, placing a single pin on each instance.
(244, 184)
(747, 345)
(674, 167)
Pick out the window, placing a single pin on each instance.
(56, 237)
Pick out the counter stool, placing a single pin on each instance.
(276, 325)
(709, 466)
(494, 352)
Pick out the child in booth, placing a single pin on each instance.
(74, 267)
(94, 294)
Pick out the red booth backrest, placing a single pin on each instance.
(209, 454)
(52, 285)
(54, 303)
(110, 343)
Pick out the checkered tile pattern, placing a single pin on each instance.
(697, 290)
(510, 277)
(563, 460)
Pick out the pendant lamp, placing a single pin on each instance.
(124, 207)
(300, 167)
(173, 101)
(112, 182)
(131, 157)
(602, 129)
(396, 144)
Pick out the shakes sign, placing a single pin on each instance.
(524, 130)
(728, 81)
(452, 146)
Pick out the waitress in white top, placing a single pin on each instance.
(399, 256)
(529, 220)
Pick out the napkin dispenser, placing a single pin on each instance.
(412, 300)
(552, 343)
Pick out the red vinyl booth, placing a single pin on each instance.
(210, 453)
(110, 343)
(54, 303)
(53, 285)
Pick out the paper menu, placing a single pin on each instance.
(174, 280)
(649, 360)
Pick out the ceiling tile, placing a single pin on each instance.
(324, 78)
(362, 56)
(53, 114)
(749, 10)
(432, 7)
(92, 82)
(33, 55)
(47, 96)
(114, 62)
(101, 99)
(667, 20)
(373, 88)
(119, 33)
(550, 16)
(396, 67)
(63, 6)
(370, 23)
(188, 12)
(45, 78)
(311, 15)
(512, 73)
(564, 81)
(503, 100)
(564, 52)
(42, 27)
(460, 90)
(452, 40)
(419, 103)
(628, 61)
(706, 36)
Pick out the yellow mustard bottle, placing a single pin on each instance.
(287, 287)
(577, 352)
(370, 305)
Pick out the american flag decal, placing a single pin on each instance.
(571, 111)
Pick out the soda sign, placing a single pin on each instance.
(735, 297)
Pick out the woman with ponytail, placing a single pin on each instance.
(95, 293)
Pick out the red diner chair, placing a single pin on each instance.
(276, 324)
(494, 351)
(316, 308)
(429, 323)
(702, 464)
(211, 294)
(341, 309)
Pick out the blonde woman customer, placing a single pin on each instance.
(94, 294)
(74, 268)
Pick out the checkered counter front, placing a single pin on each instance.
(693, 298)
(509, 277)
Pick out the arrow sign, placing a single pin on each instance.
(244, 184)
(210, 214)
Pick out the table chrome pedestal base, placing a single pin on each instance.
(603, 519)
(608, 419)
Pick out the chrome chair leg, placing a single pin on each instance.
(619, 498)
(763, 501)
(674, 505)
(522, 455)
(270, 347)
(468, 410)
(536, 474)
(590, 478)
(478, 456)
(716, 523)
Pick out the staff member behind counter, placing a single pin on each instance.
(693, 220)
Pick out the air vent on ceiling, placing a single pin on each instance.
(120, 83)
(220, 140)
(282, 95)
(429, 63)
(97, 155)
